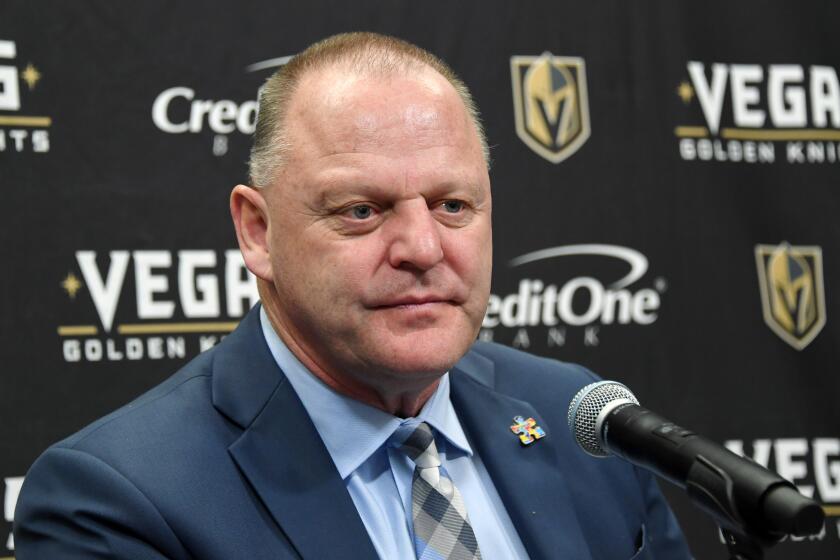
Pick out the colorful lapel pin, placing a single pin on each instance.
(527, 430)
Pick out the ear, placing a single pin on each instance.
(250, 218)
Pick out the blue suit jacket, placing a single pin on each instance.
(221, 461)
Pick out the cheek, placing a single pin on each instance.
(298, 265)
(471, 255)
(473, 263)
(349, 273)
(342, 269)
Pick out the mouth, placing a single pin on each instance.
(414, 313)
(412, 303)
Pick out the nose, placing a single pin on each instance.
(416, 241)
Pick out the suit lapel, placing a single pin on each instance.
(281, 453)
(529, 480)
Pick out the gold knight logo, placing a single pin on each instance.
(792, 293)
(551, 107)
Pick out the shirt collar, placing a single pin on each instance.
(352, 430)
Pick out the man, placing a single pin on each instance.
(351, 415)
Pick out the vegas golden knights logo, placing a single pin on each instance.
(792, 294)
(550, 104)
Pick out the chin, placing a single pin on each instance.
(422, 366)
(422, 356)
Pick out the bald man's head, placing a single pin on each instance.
(364, 54)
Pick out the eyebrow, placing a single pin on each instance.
(327, 197)
(333, 187)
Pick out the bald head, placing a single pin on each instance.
(344, 57)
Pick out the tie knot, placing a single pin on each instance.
(418, 444)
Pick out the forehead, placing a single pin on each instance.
(337, 110)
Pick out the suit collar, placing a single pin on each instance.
(244, 372)
(280, 452)
(529, 480)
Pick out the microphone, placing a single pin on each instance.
(605, 419)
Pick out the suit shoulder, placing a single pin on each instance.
(157, 407)
(512, 362)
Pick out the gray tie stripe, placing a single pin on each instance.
(438, 511)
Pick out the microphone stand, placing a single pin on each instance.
(742, 547)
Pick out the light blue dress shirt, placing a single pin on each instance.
(378, 476)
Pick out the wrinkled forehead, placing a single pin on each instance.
(345, 110)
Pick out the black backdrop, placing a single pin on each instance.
(706, 160)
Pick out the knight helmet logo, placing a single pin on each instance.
(792, 293)
(551, 107)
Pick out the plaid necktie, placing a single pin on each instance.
(441, 526)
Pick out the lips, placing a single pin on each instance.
(407, 301)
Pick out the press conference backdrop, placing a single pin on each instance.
(664, 175)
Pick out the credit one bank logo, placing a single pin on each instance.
(183, 110)
(580, 306)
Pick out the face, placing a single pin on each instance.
(379, 228)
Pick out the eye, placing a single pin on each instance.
(453, 206)
(361, 212)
